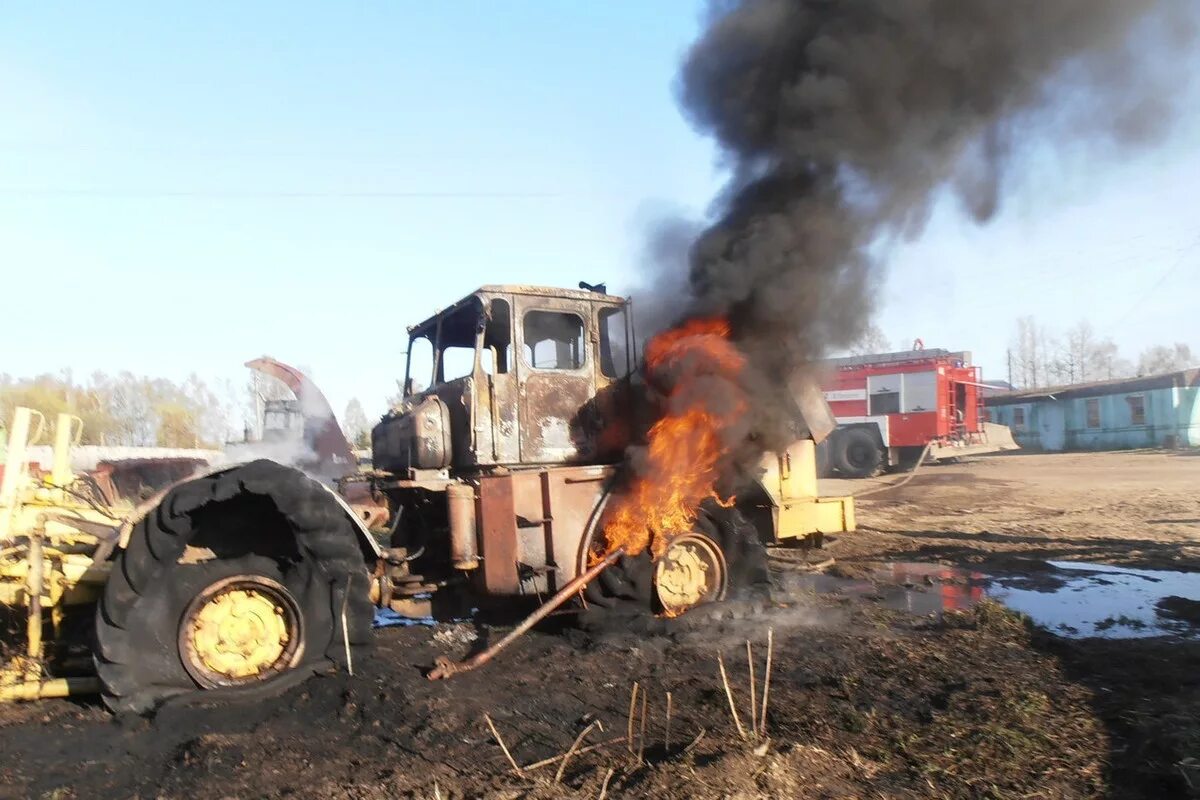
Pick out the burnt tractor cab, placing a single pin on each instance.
(497, 475)
(495, 472)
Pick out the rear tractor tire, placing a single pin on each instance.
(284, 590)
(720, 556)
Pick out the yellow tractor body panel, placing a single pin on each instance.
(790, 481)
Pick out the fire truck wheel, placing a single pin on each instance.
(240, 583)
(857, 454)
(824, 460)
(626, 591)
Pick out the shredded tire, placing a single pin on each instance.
(261, 518)
(624, 593)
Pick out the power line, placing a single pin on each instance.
(1183, 253)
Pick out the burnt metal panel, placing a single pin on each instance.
(555, 426)
(418, 439)
(321, 430)
(498, 534)
(538, 519)
(573, 494)
(813, 416)
(496, 419)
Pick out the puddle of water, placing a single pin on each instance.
(1105, 601)
(916, 588)
(1075, 599)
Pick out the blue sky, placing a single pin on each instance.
(206, 184)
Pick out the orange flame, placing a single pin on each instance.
(685, 446)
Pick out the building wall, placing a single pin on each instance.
(1172, 418)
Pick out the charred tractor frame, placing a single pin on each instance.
(487, 488)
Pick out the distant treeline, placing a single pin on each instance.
(125, 409)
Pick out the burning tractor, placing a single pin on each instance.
(506, 481)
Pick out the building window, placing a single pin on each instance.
(553, 340)
(1018, 418)
(1137, 409)
(1093, 412)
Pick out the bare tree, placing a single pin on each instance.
(1076, 352)
(1159, 359)
(356, 425)
(1031, 348)
(1105, 362)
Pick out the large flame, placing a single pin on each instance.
(697, 366)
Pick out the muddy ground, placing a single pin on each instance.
(1137, 508)
(864, 702)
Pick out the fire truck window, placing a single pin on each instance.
(497, 339)
(1093, 412)
(1137, 409)
(553, 340)
(885, 403)
(614, 358)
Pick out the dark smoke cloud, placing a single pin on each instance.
(842, 121)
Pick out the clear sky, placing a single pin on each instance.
(184, 188)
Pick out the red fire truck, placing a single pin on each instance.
(890, 406)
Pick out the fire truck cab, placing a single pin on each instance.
(890, 406)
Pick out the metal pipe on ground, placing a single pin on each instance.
(34, 584)
(40, 690)
(445, 668)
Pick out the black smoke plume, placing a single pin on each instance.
(842, 121)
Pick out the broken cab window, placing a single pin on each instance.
(614, 356)
(553, 340)
(420, 365)
(497, 339)
(457, 362)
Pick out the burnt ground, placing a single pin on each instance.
(863, 701)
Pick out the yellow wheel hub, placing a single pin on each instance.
(690, 572)
(240, 630)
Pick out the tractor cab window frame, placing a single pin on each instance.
(565, 334)
(614, 344)
(457, 331)
(496, 342)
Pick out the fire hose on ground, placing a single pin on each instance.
(445, 668)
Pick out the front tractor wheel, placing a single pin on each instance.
(720, 556)
(690, 573)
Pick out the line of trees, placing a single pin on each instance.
(125, 409)
(1039, 356)
(130, 410)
